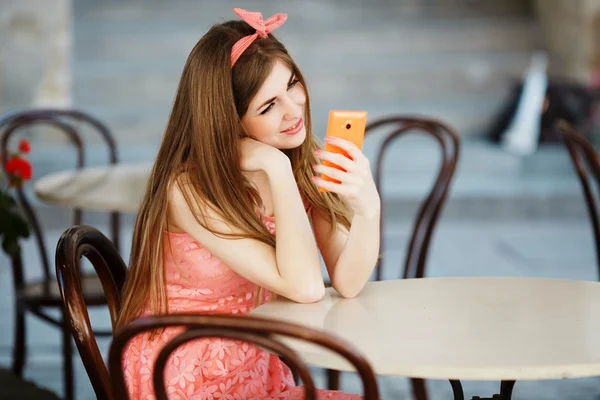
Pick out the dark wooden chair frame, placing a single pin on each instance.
(62, 120)
(586, 163)
(85, 241)
(260, 331)
(431, 207)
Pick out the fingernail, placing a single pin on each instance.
(328, 139)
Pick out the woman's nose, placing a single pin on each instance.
(293, 109)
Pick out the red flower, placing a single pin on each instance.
(19, 168)
(24, 146)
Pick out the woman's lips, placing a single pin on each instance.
(295, 129)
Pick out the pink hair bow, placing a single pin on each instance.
(263, 28)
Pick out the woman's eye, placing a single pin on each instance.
(293, 83)
(267, 109)
(290, 86)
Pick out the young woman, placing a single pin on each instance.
(237, 155)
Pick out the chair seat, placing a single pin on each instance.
(48, 292)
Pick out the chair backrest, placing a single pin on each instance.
(85, 241)
(586, 162)
(430, 208)
(63, 120)
(260, 331)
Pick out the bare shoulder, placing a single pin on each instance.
(186, 209)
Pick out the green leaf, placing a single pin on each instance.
(13, 225)
(10, 246)
(4, 217)
(6, 200)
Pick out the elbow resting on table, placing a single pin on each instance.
(310, 294)
(347, 290)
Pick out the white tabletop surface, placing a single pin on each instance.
(459, 328)
(119, 187)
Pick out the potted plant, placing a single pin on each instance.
(13, 225)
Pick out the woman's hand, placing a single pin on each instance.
(356, 185)
(260, 156)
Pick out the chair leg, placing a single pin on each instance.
(333, 379)
(68, 362)
(19, 351)
(419, 389)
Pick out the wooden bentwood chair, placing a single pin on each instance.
(88, 242)
(36, 296)
(586, 163)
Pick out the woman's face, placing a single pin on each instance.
(276, 114)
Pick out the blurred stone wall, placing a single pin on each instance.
(35, 53)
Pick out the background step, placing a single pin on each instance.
(453, 59)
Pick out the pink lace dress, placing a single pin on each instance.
(210, 369)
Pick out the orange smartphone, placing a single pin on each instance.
(345, 124)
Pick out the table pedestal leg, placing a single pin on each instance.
(457, 390)
(506, 388)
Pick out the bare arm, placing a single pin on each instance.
(296, 250)
(349, 256)
(292, 269)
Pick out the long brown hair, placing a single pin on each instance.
(201, 143)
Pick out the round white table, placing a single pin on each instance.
(475, 328)
(118, 187)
